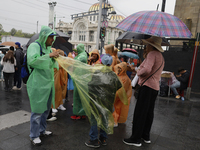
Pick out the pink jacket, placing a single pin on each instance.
(151, 63)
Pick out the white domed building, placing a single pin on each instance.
(84, 29)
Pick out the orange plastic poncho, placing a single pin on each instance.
(60, 83)
(121, 111)
(117, 61)
(113, 57)
(95, 51)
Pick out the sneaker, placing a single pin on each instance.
(146, 141)
(178, 96)
(131, 142)
(36, 141)
(75, 117)
(19, 88)
(94, 144)
(54, 110)
(53, 114)
(61, 107)
(115, 124)
(52, 119)
(83, 117)
(14, 88)
(103, 141)
(46, 133)
(182, 98)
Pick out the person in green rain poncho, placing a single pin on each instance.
(40, 85)
(78, 110)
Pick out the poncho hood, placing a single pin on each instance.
(44, 33)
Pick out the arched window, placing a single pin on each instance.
(82, 32)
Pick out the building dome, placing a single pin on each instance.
(117, 17)
(95, 7)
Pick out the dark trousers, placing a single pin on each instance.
(8, 77)
(144, 114)
(17, 78)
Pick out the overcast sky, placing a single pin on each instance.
(24, 14)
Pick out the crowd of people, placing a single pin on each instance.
(104, 99)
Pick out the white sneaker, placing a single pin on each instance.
(46, 133)
(182, 98)
(36, 141)
(54, 110)
(61, 107)
(52, 119)
(14, 88)
(115, 124)
(19, 88)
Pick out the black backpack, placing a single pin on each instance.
(24, 70)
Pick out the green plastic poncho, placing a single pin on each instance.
(41, 80)
(97, 86)
(77, 105)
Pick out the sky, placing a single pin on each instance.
(24, 14)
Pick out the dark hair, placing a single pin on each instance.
(12, 48)
(180, 69)
(9, 57)
(3, 51)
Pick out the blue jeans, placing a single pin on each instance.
(94, 131)
(38, 121)
(17, 78)
(175, 85)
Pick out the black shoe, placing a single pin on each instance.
(94, 144)
(103, 141)
(148, 141)
(131, 142)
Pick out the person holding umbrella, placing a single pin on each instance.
(149, 75)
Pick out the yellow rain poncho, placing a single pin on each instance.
(77, 105)
(95, 86)
(41, 80)
(121, 111)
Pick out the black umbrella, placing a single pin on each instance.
(135, 38)
(61, 41)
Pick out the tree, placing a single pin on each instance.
(13, 31)
(1, 27)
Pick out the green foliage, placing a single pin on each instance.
(15, 32)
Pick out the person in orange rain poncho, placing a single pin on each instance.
(94, 58)
(109, 49)
(121, 111)
(60, 83)
(115, 54)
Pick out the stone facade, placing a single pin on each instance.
(84, 29)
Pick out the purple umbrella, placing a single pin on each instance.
(155, 23)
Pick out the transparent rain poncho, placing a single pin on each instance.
(97, 86)
(41, 80)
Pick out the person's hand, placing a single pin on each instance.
(54, 54)
(178, 75)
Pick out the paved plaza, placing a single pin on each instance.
(176, 126)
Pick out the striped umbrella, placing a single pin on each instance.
(155, 23)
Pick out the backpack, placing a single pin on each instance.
(24, 70)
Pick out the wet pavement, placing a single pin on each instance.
(175, 126)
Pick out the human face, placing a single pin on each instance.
(94, 56)
(49, 40)
(16, 46)
(119, 70)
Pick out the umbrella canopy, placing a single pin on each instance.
(135, 38)
(8, 43)
(61, 41)
(155, 23)
(130, 55)
(130, 50)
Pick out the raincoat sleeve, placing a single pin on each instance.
(37, 61)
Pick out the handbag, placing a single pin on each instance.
(138, 87)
